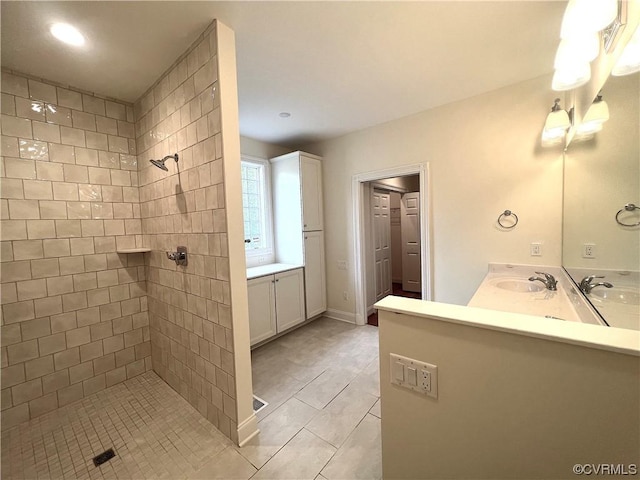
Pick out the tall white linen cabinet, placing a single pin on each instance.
(298, 222)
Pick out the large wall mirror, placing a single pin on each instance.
(601, 176)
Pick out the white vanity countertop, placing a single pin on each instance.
(270, 269)
(541, 303)
(593, 336)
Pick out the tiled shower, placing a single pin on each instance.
(77, 187)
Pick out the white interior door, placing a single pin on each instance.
(380, 205)
(410, 225)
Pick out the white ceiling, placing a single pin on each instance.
(336, 66)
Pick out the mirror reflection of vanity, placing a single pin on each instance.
(601, 176)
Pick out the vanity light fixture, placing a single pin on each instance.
(572, 76)
(67, 33)
(629, 61)
(557, 123)
(597, 114)
(588, 16)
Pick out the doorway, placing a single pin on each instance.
(385, 262)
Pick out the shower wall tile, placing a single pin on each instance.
(68, 299)
(188, 306)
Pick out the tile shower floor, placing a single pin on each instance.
(322, 421)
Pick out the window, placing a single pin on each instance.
(256, 207)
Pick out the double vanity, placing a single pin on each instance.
(549, 292)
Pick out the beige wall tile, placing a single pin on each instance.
(117, 144)
(95, 262)
(91, 350)
(72, 136)
(60, 285)
(55, 381)
(104, 364)
(65, 191)
(123, 324)
(69, 98)
(113, 344)
(24, 209)
(34, 150)
(22, 352)
(42, 91)
(46, 132)
(26, 391)
(107, 125)
(45, 268)
(62, 153)
(82, 246)
(93, 104)
(58, 115)
(53, 209)
(89, 192)
(31, 109)
(17, 127)
(38, 189)
(20, 168)
(92, 228)
(48, 306)
(109, 312)
(49, 171)
(70, 394)
(78, 336)
(15, 85)
(86, 156)
(15, 271)
(88, 316)
(122, 178)
(114, 227)
(104, 244)
(68, 228)
(9, 293)
(76, 174)
(10, 334)
(101, 210)
(15, 415)
(96, 141)
(85, 121)
(13, 375)
(116, 376)
(74, 301)
(13, 229)
(31, 289)
(52, 344)
(99, 176)
(80, 372)
(67, 359)
(111, 194)
(94, 384)
(39, 367)
(63, 322)
(56, 248)
(8, 104)
(116, 110)
(84, 281)
(43, 405)
(9, 146)
(27, 249)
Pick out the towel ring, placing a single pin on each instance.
(505, 214)
(629, 207)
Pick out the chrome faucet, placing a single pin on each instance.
(586, 286)
(549, 281)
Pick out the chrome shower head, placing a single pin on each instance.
(160, 163)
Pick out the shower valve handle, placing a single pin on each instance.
(180, 257)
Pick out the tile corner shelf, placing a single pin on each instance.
(133, 250)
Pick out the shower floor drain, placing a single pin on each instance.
(103, 457)
(258, 404)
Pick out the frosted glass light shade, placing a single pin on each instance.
(629, 61)
(556, 125)
(571, 76)
(588, 16)
(67, 33)
(579, 49)
(598, 113)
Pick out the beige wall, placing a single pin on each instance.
(74, 312)
(256, 148)
(189, 307)
(484, 157)
(601, 176)
(508, 406)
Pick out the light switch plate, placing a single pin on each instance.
(415, 375)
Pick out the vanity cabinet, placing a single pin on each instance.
(314, 273)
(276, 303)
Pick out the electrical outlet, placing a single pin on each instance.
(345, 295)
(342, 264)
(589, 250)
(536, 249)
(415, 375)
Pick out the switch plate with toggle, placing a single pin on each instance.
(415, 375)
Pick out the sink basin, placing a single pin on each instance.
(519, 285)
(627, 296)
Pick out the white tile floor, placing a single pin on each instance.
(322, 421)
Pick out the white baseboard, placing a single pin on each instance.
(341, 315)
(247, 430)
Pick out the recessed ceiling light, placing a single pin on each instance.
(284, 114)
(67, 34)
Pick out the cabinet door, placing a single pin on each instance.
(311, 171)
(262, 311)
(314, 273)
(289, 299)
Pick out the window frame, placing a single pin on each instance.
(264, 255)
